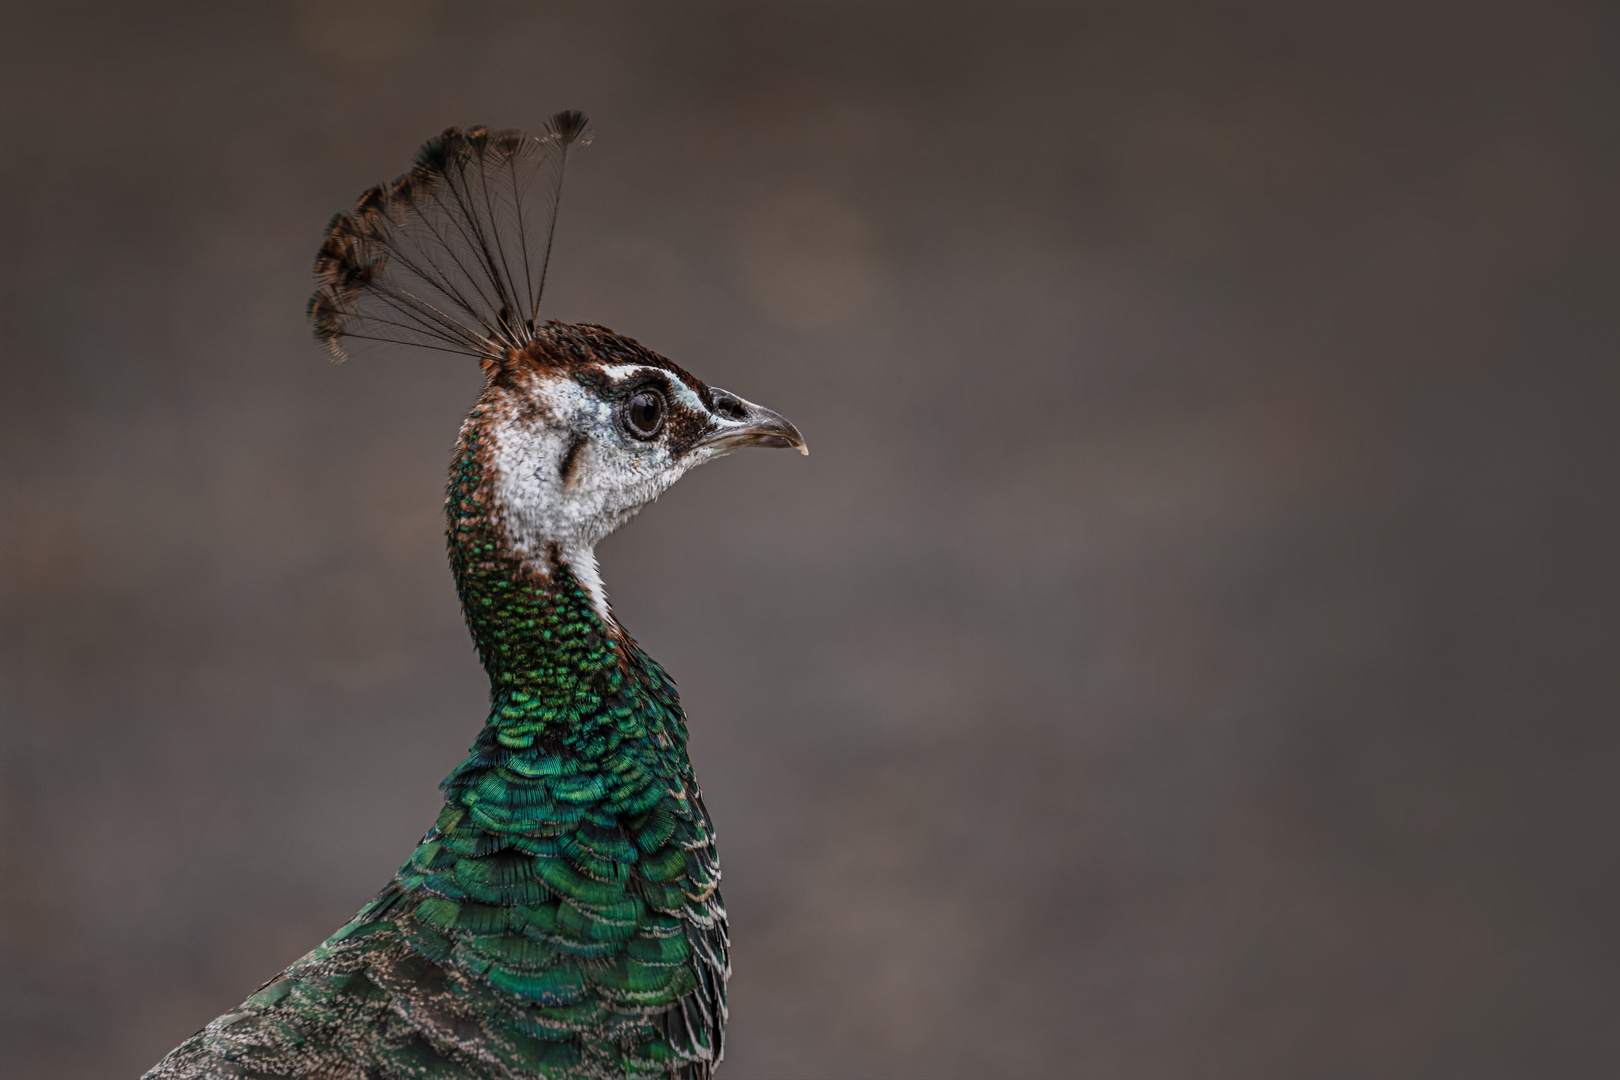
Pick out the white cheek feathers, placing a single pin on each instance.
(565, 475)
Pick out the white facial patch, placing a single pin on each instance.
(610, 473)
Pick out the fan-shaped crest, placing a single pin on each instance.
(453, 254)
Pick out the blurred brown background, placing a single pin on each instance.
(1186, 653)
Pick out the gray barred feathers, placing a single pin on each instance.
(367, 1005)
(452, 255)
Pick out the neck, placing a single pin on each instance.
(569, 689)
(528, 610)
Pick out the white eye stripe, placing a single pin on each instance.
(683, 393)
(688, 397)
(624, 371)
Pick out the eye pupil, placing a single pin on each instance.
(646, 413)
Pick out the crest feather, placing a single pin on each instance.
(453, 254)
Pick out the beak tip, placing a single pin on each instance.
(759, 426)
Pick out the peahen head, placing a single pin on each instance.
(578, 427)
(585, 427)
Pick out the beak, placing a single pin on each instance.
(751, 425)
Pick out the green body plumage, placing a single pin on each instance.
(562, 917)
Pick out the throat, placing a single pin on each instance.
(581, 563)
(542, 632)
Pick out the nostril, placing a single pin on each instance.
(729, 405)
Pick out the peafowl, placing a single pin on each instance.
(562, 917)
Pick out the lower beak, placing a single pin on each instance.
(758, 426)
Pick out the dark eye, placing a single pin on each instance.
(644, 414)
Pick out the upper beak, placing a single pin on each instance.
(755, 426)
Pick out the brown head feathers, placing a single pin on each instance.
(452, 255)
